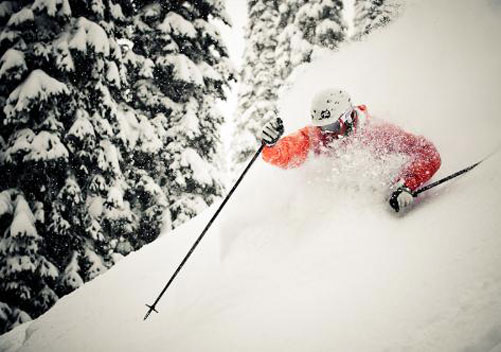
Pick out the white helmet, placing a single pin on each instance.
(329, 105)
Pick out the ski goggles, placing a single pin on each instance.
(340, 122)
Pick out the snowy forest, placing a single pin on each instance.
(110, 132)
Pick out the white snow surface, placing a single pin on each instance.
(201, 171)
(46, 146)
(90, 34)
(20, 17)
(312, 259)
(52, 7)
(82, 128)
(184, 69)
(12, 59)
(177, 25)
(38, 85)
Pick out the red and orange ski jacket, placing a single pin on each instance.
(424, 160)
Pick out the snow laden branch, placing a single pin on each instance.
(38, 87)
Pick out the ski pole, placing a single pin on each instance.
(151, 308)
(394, 197)
(456, 174)
(445, 179)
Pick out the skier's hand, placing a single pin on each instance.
(402, 197)
(272, 131)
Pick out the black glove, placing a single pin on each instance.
(401, 198)
(272, 131)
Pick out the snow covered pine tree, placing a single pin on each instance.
(257, 95)
(178, 67)
(26, 274)
(95, 153)
(61, 78)
(279, 37)
(373, 14)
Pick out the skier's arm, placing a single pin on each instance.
(425, 160)
(290, 151)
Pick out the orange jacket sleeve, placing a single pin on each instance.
(290, 151)
(424, 159)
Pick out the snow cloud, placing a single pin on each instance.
(435, 71)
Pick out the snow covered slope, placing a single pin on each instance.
(312, 259)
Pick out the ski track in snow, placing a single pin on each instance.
(312, 259)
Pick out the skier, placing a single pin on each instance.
(335, 118)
